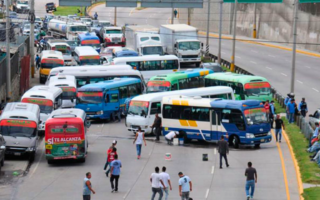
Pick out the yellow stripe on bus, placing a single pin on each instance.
(192, 123)
(184, 103)
(202, 73)
(183, 122)
(175, 102)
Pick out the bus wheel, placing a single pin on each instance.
(50, 162)
(257, 146)
(235, 142)
(2, 162)
(32, 156)
(82, 160)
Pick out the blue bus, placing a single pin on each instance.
(125, 53)
(104, 99)
(89, 39)
(240, 122)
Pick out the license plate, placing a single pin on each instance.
(17, 154)
(116, 42)
(262, 140)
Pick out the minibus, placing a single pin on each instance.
(86, 55)
(49, 59)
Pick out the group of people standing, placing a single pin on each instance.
(293, 109)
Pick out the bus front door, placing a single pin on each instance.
(112, 103)
(216, 126)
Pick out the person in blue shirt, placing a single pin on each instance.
(37, 59)
(287, 100)
(96, 16)
(272, 113)
(115, 173)
(291, 107)
(303, 107)
(185, 186)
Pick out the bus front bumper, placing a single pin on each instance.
(253, 141)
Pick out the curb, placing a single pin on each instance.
(93, 6)
(295, 162)
(263, 44)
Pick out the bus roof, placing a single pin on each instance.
(67, 113)
(89, 68)
(103, 85)
(144, 58)
(126, 53)
(88, 36)
(63, 80)
(45, 92)
(187, 92)
(181, 74)
(19, 110)
(244, 104)
(112, 28)
(188, 101)
(179, 27)
(240, 78)
(86, 51)
(51, 54)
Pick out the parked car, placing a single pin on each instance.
(2, 150)
(51, 7)
(26, 29)
(13, 15)
(216, 67)
(39, 21)
(313, 118)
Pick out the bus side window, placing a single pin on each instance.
(216, 115)
(183, 84)
(155, 108)
(226, 115)
(139, 88)
(237, 119)
(114, 98)
(133, 90)
(185, 112)
(174, 87)
(194, 82)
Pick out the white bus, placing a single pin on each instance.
(151, 65)
(86, 55)
(48, 98)
(68, 84)
(142, 109)
(86, 76)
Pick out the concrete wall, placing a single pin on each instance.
(15, 87)
(274, 22)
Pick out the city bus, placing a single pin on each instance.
(65, 135)
(191, 78)
(97, 74)
(240, 122)
(104, 99)
(68, 84)
(244, 86)
(19, 127)
(89, 39)
(86, 55)
(150, 65)
(49, 59)
(142, 109)
(47, 98)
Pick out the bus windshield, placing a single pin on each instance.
(18, 128)
(51, 63)
(256, 116)
(46, 105)
(63, 49)
(23, 2)
(158, 86)
(138, 108)
(152, 51)
(189, 45)
(257, 89)
(90, 97)
(68, 92)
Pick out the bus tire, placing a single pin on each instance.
(235, 142)
(2, 162)
(82, 160)
(50, 162)
(185, 137)
(257, 146)
(32, 156)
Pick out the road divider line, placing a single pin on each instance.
(131, 11)
(269, 68)
(39, 159)
(271, 56)
(253, 62)
(315, 89)
(212, 170)
(283, 167)
(238, 57)
(307, 67)
(207, 193)
(215, 151)
(299, 81)
(254, 51)
(284, 74)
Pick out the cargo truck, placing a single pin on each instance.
(62, 29)
(144, 39)
(182, 41)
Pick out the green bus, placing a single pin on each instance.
(244, 86)
(191, 78)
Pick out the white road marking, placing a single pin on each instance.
(284, 74)
(254, 51)
(35, 168)
(223, 52)
(126, 194)
(315, 90)
(215, 151)
(253, 62)
(102, 125)
(212, 170)
(271, 56)
(299, 81)
(307, 67)
(238, 57)
(269, 68)
(207, 193)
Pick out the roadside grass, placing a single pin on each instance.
(311, 193)
(278, 108)
(69, 10)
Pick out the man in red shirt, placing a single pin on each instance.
(112, 151)
(267, 107)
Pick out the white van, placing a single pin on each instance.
(19, 126)
(68, 84)
(49, 60)
(63, 47)
(48, 98)
(142, 109)
(86, 55)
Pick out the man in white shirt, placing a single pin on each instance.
(155, 180)
(185, 186)
(169, 137)
(166, 180)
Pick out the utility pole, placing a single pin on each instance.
(115, 16)
(255, 21)
(231, 17)
(8, 26)
(208, 24)
(220, 32)
(32, 19)
(189, 18)
(172, 14)
(234, 37)
(295, 19)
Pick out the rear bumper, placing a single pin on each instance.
(51, 157)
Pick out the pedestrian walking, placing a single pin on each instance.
(272, 113)
(157, 126)
(112, 151)
(166, 180)
(291, 108)
(87, 187)
(156, 181)
(169, 137)
(279, 126)
(185, 186)
(252, 177)
(37, 59)
(223, 149)
(115, 173)
(286, 101)
(96, 16)
(303, 107)
(267, 107)
(175, 12)
(138, 141)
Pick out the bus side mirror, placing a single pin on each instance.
(201, 44)
(2, 147)
(72, 100)
(88, 124)
(175, 45)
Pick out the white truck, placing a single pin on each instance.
(182, 41)
(112, 36)
(62, 29)
(144, 39)
(22, 6)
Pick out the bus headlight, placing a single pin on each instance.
(30, 149)
(100, 112)
(269, 133)
(249, 135)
